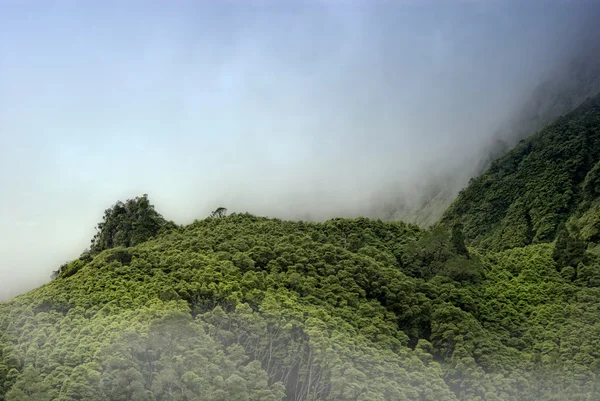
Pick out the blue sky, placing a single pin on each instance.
(277, 108)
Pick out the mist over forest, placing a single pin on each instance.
(300, 201)
(307, 110)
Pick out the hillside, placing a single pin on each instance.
(501, 301)
(546, 180)
(567, 88)
(250, 308)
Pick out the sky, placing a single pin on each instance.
(287, 108)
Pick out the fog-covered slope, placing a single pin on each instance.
(525, 195)
(566, 88)
(501, 301)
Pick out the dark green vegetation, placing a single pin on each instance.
(501, 301)
(128, 224)
(565, 90)
(550, 179)
(123, 225)
(249, 308)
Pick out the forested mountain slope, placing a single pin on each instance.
(250, 308)
(547, 179)
(567, 88)
(500, 301)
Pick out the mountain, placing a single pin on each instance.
(241, 307)
(498, 301)
(566, 88)
(546, 180)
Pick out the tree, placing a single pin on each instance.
(31, 386)
(458, 240)
(128, 224)
(219, 213)
(568, 249)
(591, 184)
(426, 256)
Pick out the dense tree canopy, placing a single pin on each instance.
(128, 224)
(123, 225)
(250, 308)
(547, 179)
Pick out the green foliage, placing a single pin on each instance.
(568, 250)
(128, 224)
(436, 252)
(588, 222)
(68, 269)
(591, 184)
(588, 275)
(218, 213)
(249, 308)
(124, 225)
(246, 308)
(30, 386)
(458, 240)
(525, 195)
(424, 257)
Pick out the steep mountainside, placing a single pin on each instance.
(566, 89)
(525, 195)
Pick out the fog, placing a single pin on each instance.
(306, 109)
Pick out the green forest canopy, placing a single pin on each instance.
(250, 308)
(548, 179)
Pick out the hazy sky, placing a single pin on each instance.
(276, 108)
